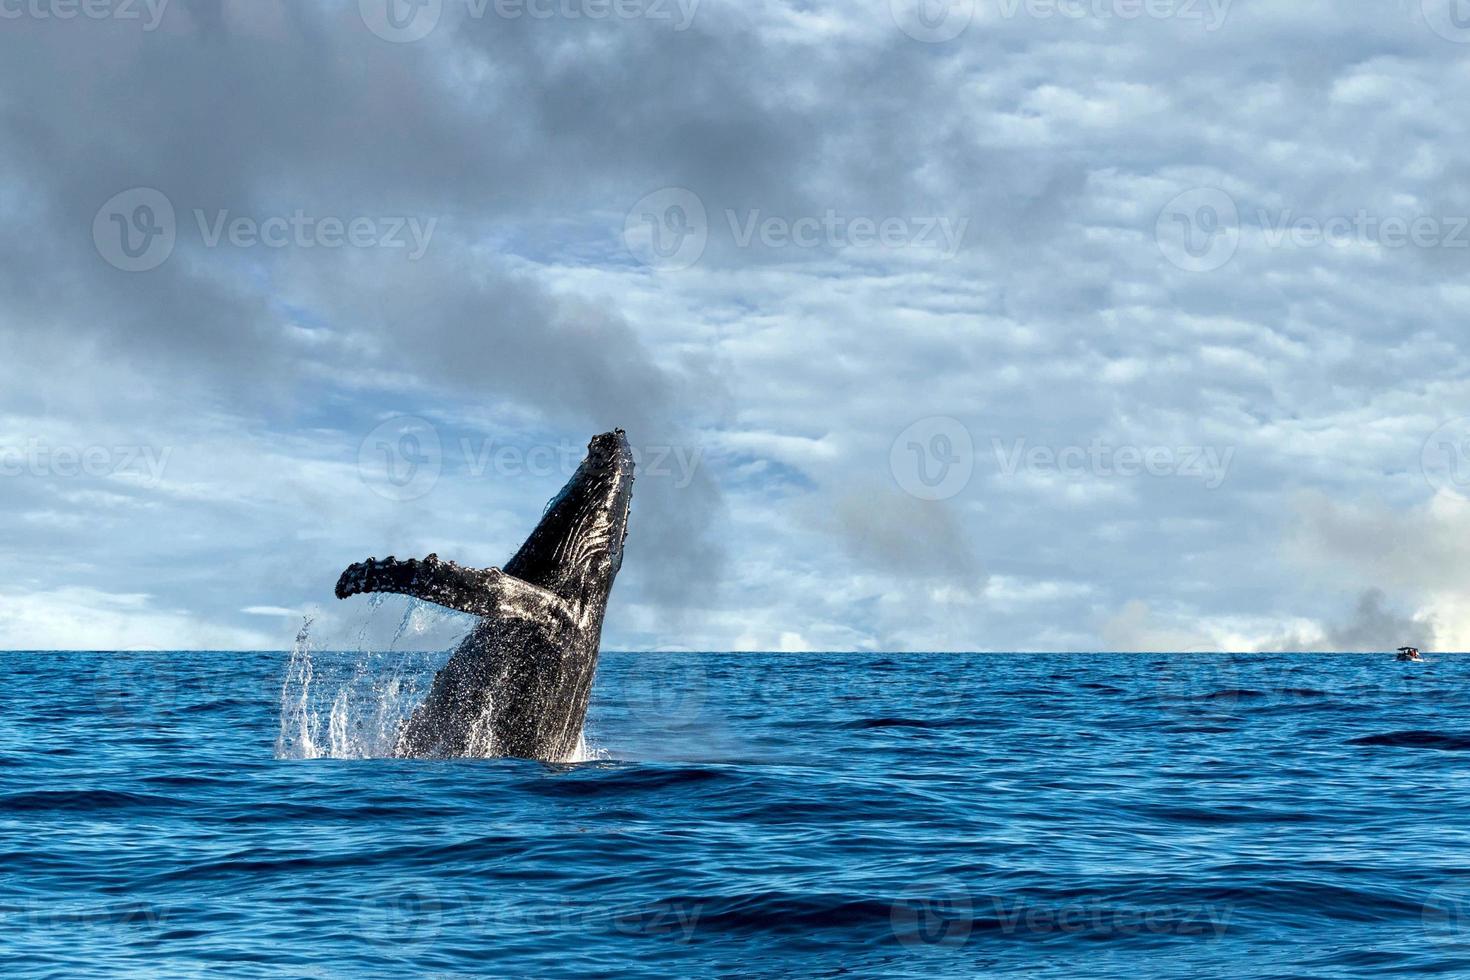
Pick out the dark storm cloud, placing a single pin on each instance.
(297, 108)
(1373, 625)
(316, 116)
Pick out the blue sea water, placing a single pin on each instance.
(914, 815)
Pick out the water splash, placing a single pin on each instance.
(587, 752)
(297, 737)
(351, 704)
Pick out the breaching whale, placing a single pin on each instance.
(519, 683)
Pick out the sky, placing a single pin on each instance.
(935, 324)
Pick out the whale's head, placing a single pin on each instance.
(578, 546)
(608, 487)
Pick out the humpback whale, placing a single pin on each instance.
(519, 683)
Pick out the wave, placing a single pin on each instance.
(1234, 693)
(84, 801)
(965, 825)
(902, 722)
(1443, 741)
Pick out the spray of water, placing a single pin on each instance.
(351, 704)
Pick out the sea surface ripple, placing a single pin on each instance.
(913, 815)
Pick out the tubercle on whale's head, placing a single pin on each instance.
(610, 449)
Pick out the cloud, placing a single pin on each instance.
(1136, 629)
(86, 619)
(271, 611)
(1066, 317)
(1416, 557)
(901, 536)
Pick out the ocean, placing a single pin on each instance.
(816, 814)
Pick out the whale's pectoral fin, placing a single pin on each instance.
(478, 591)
